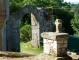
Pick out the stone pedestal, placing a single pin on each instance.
(55, 43)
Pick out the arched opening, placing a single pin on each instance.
(29, 33)
(25, 32)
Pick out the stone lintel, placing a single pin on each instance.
(55, 36)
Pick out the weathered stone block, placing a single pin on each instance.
(55, 43)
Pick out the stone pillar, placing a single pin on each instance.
(35, 31)
(55, 43)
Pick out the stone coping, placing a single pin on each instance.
(55, 36)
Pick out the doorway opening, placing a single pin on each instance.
(26, 33)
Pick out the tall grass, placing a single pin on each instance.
(27, 48)
(25, 38)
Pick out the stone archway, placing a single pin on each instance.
(35, 18)
(13, 26)
(41, 21)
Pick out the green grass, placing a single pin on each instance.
(27, 48)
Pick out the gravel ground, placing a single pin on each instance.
(21, 56)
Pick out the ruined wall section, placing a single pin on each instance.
(46, 23)
(13, 28)
(12, 34)
(41, 21)
(3, 16)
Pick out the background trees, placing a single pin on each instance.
(75, 24)
(75, 20)
(65, 15)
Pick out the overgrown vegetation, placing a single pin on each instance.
(75, 24)
(25, 33)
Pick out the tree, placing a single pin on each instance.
(66, 16)
(75, 24)
(75, 8)
(38, 3)
(48, 3)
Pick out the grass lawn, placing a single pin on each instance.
(27, 48)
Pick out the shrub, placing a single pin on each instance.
(75, 24)
(25, 33)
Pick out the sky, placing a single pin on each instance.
(72, 1)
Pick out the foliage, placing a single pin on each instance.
(47, 3)
(16, 5)
(27, 48)
(75, 20)
(75, 24)
(66, 16)
(40, 3)
(25, 33)
(75, 8)
(25, 20)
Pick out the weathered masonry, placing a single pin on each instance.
(4, 13)
(41, 21)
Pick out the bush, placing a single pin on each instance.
(75, 24)
(25, 33)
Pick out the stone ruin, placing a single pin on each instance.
(41, 21)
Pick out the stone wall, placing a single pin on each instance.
(3, 16)
(41, 21)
